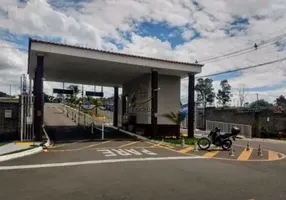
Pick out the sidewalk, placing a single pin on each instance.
(11, 147)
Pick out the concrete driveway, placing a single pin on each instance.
(87, 168)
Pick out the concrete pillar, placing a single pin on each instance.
(191, 105)
(39, 98)
(154, 102)
(115, 107)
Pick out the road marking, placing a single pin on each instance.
(272, 155)
(161, 144)
(128, 144)
(211, 154)
(93, 145)
(35, 166)
(245, 155)
(62, 145)
(78, 149)
(125, 152)
(185, 150)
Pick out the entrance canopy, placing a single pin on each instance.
(72, 64)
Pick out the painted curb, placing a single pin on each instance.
(20, 154)
(27, 152)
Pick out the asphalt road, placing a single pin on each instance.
(129, 169)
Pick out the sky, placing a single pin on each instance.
(181, 30)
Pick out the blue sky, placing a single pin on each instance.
(195, 31)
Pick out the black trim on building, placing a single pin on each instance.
(115, 108)
(39, 98)
(191, 105)
(154, 102)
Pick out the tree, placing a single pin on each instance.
(242, 94)
(176, 118)
(206, 94)
(281, 101)
(246, 104)
(75, 89)
(224, 94)
(48, 98)
(3, 94)
(205, 89)
(260, 104)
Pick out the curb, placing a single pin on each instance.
(28, 152)
(265, 140)
(142, 138)
(20, 154)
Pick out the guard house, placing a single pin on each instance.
(150, 86)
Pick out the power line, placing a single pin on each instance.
(244, 68)
(7, 47)
(262, 44)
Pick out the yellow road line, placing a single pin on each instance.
(143, 147)
(185, 150)
(128, 144)
(78, 149)
(66, 144)
(245, 155)
(93, 145)
(160, 144)
(211, 154)
(272, 155)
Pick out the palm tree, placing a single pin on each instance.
(176, 118)
(73, 97)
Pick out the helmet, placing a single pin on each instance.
(235, 130)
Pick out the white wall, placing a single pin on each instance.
(168, 96)
(142, 83)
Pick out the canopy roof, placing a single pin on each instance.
(72, 64)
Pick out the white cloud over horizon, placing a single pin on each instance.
(97, 24)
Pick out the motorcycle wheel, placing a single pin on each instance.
(204, 143)
(226, 144)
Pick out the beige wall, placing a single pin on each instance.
(168, 96)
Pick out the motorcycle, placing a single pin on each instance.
(216, 138)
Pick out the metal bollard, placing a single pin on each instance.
(247, 146)
(196, 146)
(231, 152)
(92, 128)
(102, 131)
(183, 142)
(259, 151)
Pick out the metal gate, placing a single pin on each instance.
(27, 119)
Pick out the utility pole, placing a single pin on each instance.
(257, 101)
(10, 90)
(257, 97)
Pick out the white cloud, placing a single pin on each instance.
(188, 34)
(93, 21)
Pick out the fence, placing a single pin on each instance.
(245, 130)
(26, 123)
(198, 121)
